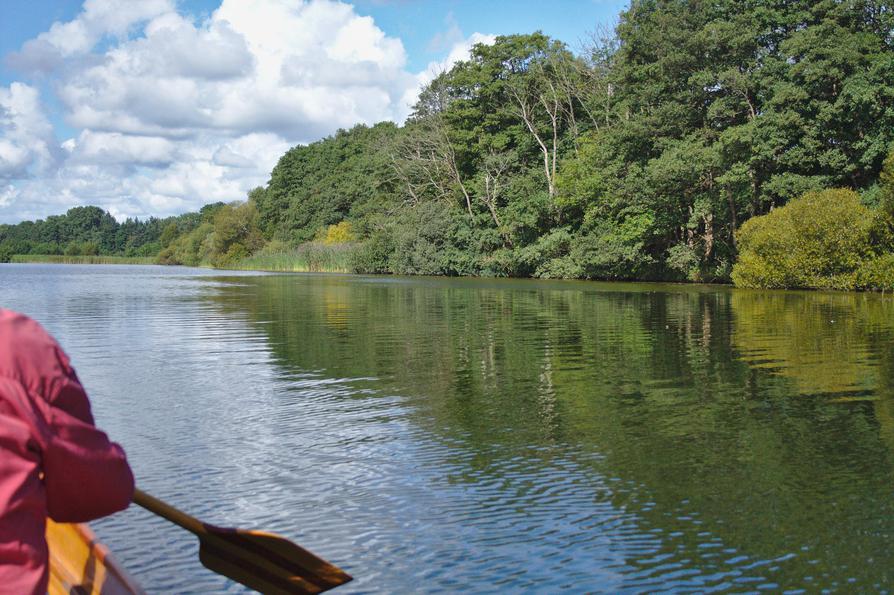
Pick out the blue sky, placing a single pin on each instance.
(415, 22)
(155, 107)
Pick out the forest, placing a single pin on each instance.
(90, 231)
(746, 141)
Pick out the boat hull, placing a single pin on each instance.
(80, 564)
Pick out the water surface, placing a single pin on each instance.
(438, 435)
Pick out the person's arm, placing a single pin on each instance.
(86, 476)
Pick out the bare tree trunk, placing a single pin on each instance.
(552, 108)
(428, 165)
(454, 168)
(404, 178)
(525, 112)
(495, 166)
(449, 155)
(526, 98)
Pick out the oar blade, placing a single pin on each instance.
(266, 562)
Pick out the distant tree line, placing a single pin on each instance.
(641, 156)
(91, 231)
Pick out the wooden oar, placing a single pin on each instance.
(262, 561)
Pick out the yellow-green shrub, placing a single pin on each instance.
(191, 249)
(341, 233)
(877, 274)
(819, 240)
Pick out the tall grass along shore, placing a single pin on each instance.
(311, 257)
(81, 259)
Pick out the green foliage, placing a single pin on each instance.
(639, 159)
(169, 234)
(876, 274)
(40, 248)
(90, 230)
(884, 224)
(235, 233)
(146, 250)
(373, 254)
(81, 249)
(18, 246)
(428, 240)
(319, 184)
(886, 184)
(227, 234)
(727, 109)
(190, 249)
(606, 251)
(819, 240)
(547, 257)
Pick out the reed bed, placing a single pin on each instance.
(312, 257)
(81, 259)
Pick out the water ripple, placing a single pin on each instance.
(490, 436)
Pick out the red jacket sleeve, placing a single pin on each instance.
(86, 476)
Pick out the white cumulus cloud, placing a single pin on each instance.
(26, 136)
(7, 193)
(297, 69)
(97, 19)
(116, 148)
(171, 112)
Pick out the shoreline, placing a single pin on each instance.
(79, 259)
(138, 260)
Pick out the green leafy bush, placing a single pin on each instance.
(146, 250)
(876, 274)
(819, 240)
(236, 234)
(607, 251)
(190, 249)
(429, 240)
(42, 248)
(548, 256)
(372, 255)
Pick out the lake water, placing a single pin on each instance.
(450, 435)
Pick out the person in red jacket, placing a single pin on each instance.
(53, 460)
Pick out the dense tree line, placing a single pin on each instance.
(640, 157)
(90, 231)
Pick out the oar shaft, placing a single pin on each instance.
(263, 561)
(165, 510)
